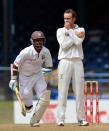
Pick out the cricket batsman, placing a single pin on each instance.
(29, 65)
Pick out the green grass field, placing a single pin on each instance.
(6, 112)
(53, 127)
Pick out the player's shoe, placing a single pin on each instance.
(33, 122)
(29, 109)
(83, 123)
(60, 123)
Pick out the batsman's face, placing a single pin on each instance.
(38, 44)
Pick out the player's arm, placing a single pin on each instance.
(13, 81)
(78, 36)
(64, 39)
(48, 63)
(14, 86)
(14, 72)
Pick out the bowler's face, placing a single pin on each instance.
(68, 18)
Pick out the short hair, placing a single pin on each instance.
(71, 11)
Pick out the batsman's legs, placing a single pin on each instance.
(40, 108)
(25, 87)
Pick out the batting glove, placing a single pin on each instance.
(46, 70)
(12, 85)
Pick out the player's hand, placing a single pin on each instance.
(46, 70)
(67, 25)
(79, 34)
(12, 84)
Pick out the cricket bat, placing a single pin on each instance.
(21, 103)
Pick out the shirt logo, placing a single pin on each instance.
(66, 34)
(43, 57)
(29, 60)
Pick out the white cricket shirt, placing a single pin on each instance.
(29, 62)
(70, 44)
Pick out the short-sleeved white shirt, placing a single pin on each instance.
(29, 62)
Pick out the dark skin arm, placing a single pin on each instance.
(14, 72)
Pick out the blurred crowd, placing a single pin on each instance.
(32, 15)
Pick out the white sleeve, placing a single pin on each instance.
(68, 38)
(48, 59)
(19, 59)
(64, 39)
(76, 40)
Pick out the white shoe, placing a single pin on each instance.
(35, 125)
(83, 123)
(33, 122)
(61, 123)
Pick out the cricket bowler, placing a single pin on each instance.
(70, 68)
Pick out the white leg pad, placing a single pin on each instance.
(42, 105)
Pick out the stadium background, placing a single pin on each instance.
(18, 19)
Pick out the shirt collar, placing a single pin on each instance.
(34, 51)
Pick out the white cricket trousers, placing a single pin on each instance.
(28, 85)
(70, 69)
